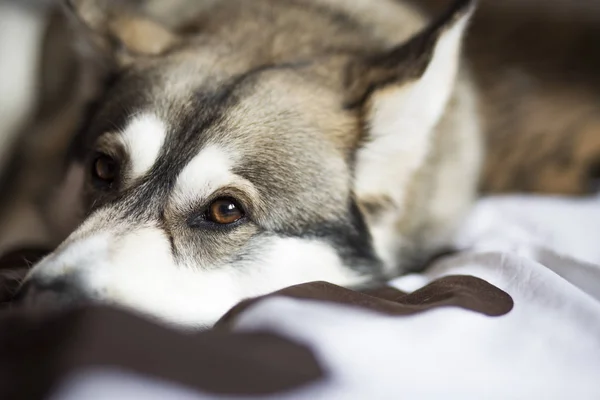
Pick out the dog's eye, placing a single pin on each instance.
(104, 168)
(224, 211)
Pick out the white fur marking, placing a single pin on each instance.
(143, 138)
(207, 172)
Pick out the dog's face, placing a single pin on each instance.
(209, 177)
(197, 195)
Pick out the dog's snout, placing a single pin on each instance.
(53, 294)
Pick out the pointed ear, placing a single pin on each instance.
(403, 93)
(117, 31)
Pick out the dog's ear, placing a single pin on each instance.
(403, 93)
(117, 31)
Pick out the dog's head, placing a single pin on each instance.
(217, 168)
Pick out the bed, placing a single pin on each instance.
(515, 314)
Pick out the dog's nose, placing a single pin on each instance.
(54, 294)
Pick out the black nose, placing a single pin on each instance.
(51, 294)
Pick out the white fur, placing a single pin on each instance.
(208, 171)
(137, 270)
(403, 119)
(401, 126)
(143, 139)
(456, 178)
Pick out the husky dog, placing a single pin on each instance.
(261, 144)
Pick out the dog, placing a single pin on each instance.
(263, 144)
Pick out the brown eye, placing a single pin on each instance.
(224, 212)
(104, 168)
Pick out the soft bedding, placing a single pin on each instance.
(514, 315)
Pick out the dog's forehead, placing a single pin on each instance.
(277, 132)
(289, 133)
